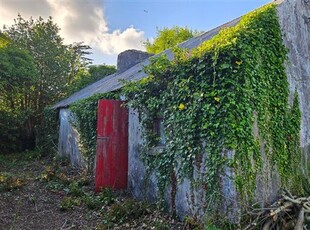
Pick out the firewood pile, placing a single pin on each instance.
(287, 213)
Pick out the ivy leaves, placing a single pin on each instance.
(85, 122)
(209, 95)
(209, 100)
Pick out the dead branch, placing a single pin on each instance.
(300, 221)
(288, 213)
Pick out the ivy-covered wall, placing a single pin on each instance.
(68, 141)
(225, 108)
(232, 110)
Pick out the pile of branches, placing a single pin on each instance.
(287, 213)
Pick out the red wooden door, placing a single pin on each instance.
(112, 145)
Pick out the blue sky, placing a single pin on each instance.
(201, 15)
(111, 26)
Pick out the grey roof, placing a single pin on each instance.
(112, 82)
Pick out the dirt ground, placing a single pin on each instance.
(30, 204)
(35, 193)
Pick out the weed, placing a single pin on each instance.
(9, 182)
(212, 228)
(124, 212)
(48, 174)
(193, 224)
(84, 179)
(95, 202)
(55, 186)
(75, 189)
(160, 225)
(14, 160)
(61, 160)
(91, 202)
(68, 203)
(106, 196)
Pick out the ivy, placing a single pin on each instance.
(85, 121)
(211, 97)
(229, 94)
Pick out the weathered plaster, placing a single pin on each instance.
(294, 18)
(140, 184)
(69, 139)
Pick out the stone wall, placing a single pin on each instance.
(294, 18)
(189, 200)
(69, 139)
(140, 184)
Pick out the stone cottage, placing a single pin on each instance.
(294, 20)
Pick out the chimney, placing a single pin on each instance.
(129, 58)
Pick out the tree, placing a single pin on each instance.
(17, 76)
(4, 40)
(89, 75)
(168, 38)
(56, 66)
(57, 63)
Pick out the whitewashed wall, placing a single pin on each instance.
(69, 139)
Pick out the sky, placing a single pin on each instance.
(113, 26)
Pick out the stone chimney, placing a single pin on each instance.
(129, 58)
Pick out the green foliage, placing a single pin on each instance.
(17, 76)
(209, 100)
(68, 203)
(85, 112)
(124, 212)
(96, 202)
(57, 63)
(47, 134)
(75, 189)
(4, 40)
(9, 182)
(192, 223)
(36, 69)
(92, 74)
(168, 38)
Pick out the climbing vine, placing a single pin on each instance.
(229, 95)
(209, 100)
(85, 121)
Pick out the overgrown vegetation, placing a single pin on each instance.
(89, 75)
(167, 38)
(223, 106)
(17, 76)
(32, 184)
(36, 71)
(10, 181)
(211, 99)
(85, 120)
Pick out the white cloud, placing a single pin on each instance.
(118, 41)
(79, 20)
